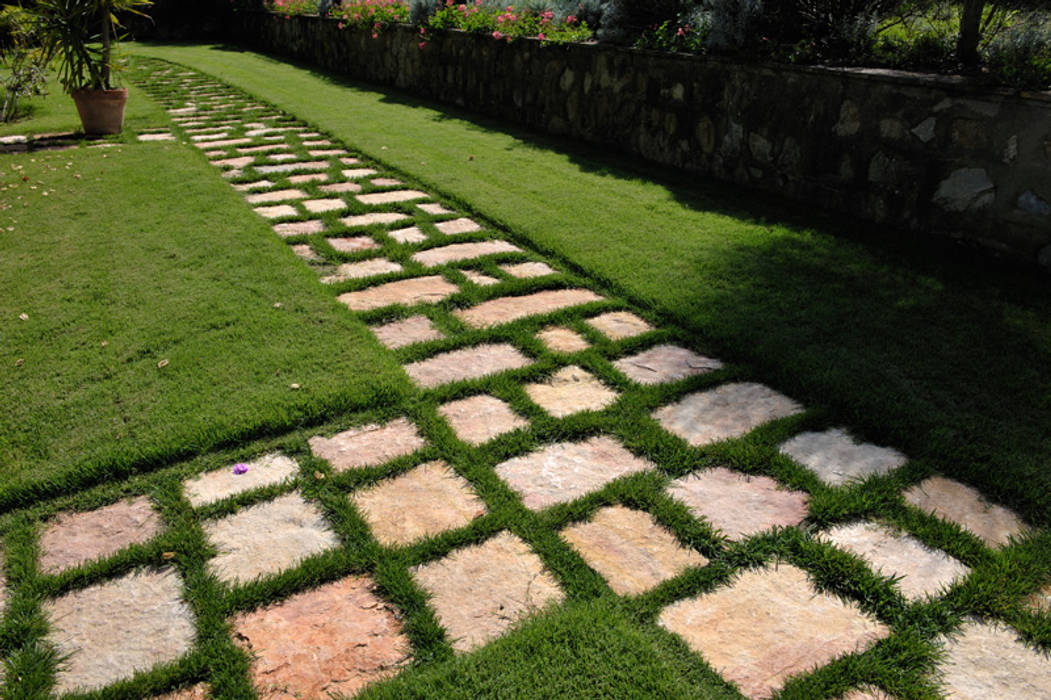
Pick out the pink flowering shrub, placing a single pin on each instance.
(370, 14)
(292, 7)
(508, 23)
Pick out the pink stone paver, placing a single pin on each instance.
(409, 292)
(267, 538)
(770, 624)
(353, 244)
(368, 445)
(457, 226)
(281, 157)
(222, 483)
(358, 173)
(276, 212)
(257, 185)
(72, 539)
(376, 198)
(334, 639)
(325, 152)
(308, 177)
(241, 162)
(630, 549)
(726, 412)
(665, 363)
(838, 459)
(299, 228)
(411, 234)
(922, 571)
(275, 196)
(466, 363)
(986, 660)
(266, 148)
(478, 592)
(482, 280)
(618, 325)
(529, 270)
(315, 143)
(737, 504)
(433, 208)
(115, 629)
(211, 135)
(304, 251)
(479, 419)
(382, 218)
(316, 206)
(349, 161)
(564, 471)
(415, 329)
(292, 167)
(361, 270)
(432, 257)
(340, 187)
(157, 137)
(571, 390)
(961, 504)
(225, 143)
(424, 502)
(386, 182)
(559, 339)
(507, 309)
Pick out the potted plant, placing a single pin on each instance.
(81, 36)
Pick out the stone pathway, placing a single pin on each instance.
(501, 342)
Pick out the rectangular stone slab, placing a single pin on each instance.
(507, 309)
(418, 290)
(467, 363)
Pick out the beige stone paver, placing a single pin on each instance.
(275, 196)
(249, 186)
(267, 538)
(358, 173)
(115, 629)
(466, 363)
(665, 363)
(630, 549)
(317, 206)
(433, 208)
(353, 244)
(442, 255)
(424, 502)
(739, 505)
(386, 182)
(242, 162)
(299, 228)
(417, 290)
(292, 167)
(564, 471)
(306, 252)
(457, 226)
(770, 624)
(315, 143)
(281, 211)
(157, 137)
(559, 339)
(415, 329)
(479, 419)
(361, 270)
(618, 325)
(340, 188)
(529, 270)
(838, 459)
(334, 639)
(410, 234)
(1040, 602)
(922, 571)
(571, 390)
(266, 148)
(72, 539)
(308, 177)
(507, 309)
(479, 278)
(380, 218)
(224, 143)
(234, 479)
(368, 445)
(195, 692)
(963, 505)
(349, 160)
(208, 134)
(281, 157)
(728, 411)
(377, 198)
(326, 152)
(986, 660)
(478, 592)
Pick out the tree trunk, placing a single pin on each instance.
(106, 48)
(970, 34)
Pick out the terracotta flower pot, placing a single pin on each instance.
(101, 111)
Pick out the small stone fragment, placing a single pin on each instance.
(482, 280)
(306, 252)
(433, 208)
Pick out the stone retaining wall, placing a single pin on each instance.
(918, 153)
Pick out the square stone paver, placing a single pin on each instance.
(361, 270)
(737, 504)
(379, 218)
(432, 257)
(630, 549)
(353, 244)
(334, 639)
(340, 187)
(479, 591)
(457, 226)
(922, 571)
(618, 325)
(424, 502)
(479, 278)
(665, 363)
(72, 539)
(770, 624)
(112, 630)
(409, 292)
(275, 196)
(838, 459)
(280, 211)
(433, 209)
(559, 339)
(507, 309)
(411, 234)
(415, 329)
(267, 538)
(230, 480)
(376, 198)
(529, 270)
(726, 412)
(368, 445)
(479, 419)
(317, 206)
(986, 660)
(571, 390)
(466, 363)
(564, 471)
(963, 505)
(299, 228)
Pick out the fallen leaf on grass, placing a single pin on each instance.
(162, 363)
(24, 317)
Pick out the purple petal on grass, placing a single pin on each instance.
(240, 468)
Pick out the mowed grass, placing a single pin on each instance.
(126, 258)
(906, 343)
